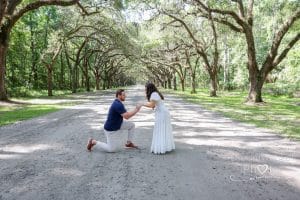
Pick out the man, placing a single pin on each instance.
(115, 124)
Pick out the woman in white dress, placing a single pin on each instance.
(162, 140)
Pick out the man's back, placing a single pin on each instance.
(114, 118)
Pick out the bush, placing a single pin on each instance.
(19, 92)
(278, 89)
(28, 92)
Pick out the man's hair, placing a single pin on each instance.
(119, 92)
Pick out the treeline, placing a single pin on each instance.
(176, 43)
(231, 44)
(87, 45)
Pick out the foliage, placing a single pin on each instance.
(138, 33)
(26, 92)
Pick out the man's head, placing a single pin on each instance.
(120, 94)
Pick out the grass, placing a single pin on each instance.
(34, 103)
(21, 108)
(279, 113)
(14, 114)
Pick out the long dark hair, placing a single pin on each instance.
(150, 88)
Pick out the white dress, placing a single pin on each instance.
(162, 140)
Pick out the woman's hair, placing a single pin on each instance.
(119, 92)
(150, 88)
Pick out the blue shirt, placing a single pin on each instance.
(114, 118)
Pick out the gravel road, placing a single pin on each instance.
(215, 157)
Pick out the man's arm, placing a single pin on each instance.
(128, 115)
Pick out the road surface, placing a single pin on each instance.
(215, 157)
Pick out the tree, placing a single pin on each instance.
(49, 59)
(242, 21)
(10, 12)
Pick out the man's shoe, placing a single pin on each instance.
(90, 145)
(131, 145)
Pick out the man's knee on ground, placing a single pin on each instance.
(113, 150)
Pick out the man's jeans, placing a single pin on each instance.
(113, 138)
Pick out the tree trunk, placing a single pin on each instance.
(256, 84)
(174, 83)
(3, 51)
(97, 78)
(82, 82)
(62, 73)
(193, 84)
(74, 80)
(226, 66)
(70, 69)
(88, 85)
(33, 76)
(107, 84)
(97, 83)
(256, 80)
(160, 83)
(104, 80)
(77, 76)
(213, 86)
(169, 83)
(87, 77)
(50, 83)
(182, 84)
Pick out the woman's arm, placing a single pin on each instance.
(150, 104)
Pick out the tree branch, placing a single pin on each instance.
(241, 7)
(185, 26)
(229, 24)
(38, 4)
(3, 4)
(12, 4)
(277, 41)
(234, 15)
(250, 12)
(280, 57)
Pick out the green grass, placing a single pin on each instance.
(280, 113)
(21, 109)
(14, 114)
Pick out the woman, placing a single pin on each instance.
(162, 140)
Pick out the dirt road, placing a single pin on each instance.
(215, 157)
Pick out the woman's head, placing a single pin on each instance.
(150, 88)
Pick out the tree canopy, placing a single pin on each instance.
(231, 44)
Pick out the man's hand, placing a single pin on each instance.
(128, 115)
